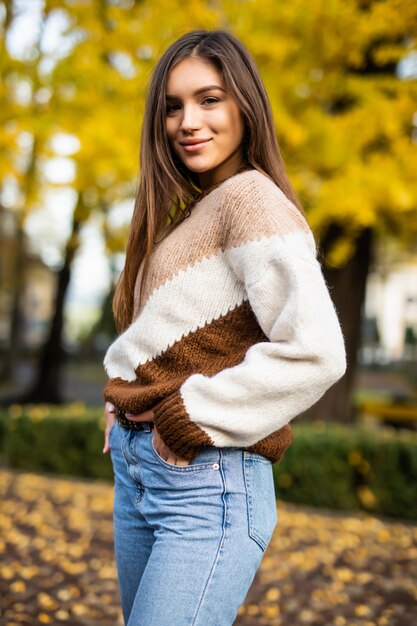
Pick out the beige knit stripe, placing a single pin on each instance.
(264, 205)
(201, 234)
(188, 243)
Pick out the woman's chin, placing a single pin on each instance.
(199, 168)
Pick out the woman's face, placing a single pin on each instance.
(203, 123)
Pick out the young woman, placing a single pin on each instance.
(227, 332)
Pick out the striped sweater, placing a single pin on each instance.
(236, 333)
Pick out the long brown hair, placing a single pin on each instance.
(167, 189)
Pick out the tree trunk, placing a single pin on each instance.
(12, 356)
(47, 384)
(347, 287)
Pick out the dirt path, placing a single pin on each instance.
(320, 569)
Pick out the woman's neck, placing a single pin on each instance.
(218, 181)
(229, 167)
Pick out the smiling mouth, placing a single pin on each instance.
(193, 147)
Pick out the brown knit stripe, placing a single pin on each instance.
(274, 445)
(158, 381)
(204, 229)
(218, 345)
(129, 396)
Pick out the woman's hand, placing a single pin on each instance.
(164, 452)
(110, 415)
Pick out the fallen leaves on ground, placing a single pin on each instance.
(327, 568)
(321, 568)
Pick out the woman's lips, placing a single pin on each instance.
(195, 146)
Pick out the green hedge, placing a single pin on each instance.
(351, 468)
(60, 440)
(327, 464)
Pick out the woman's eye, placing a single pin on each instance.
(170, 108)
(210, 100)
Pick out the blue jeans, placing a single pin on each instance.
(188, 539)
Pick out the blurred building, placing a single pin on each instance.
(391, 301)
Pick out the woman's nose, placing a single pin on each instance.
(191, 119)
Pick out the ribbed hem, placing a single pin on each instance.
(125, 396)
(274, 445)
(120, 394)
(178, 432)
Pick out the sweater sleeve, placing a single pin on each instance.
(270, 247)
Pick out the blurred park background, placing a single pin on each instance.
(342, 79)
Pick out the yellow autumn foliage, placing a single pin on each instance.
(345, 116)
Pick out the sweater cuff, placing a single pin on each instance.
(178, 432)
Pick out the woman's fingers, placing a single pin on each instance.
(165, 453)
(181, 461)
(147, 416)
(109, 407)
(106, 440)
(110, 415)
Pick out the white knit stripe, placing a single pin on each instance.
(250, 260)
(221, 217)
(198, 295)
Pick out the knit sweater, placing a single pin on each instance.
(236, 333)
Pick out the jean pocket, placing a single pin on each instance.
(197, 464)
(260, 498)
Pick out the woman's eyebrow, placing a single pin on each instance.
(198, 91)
